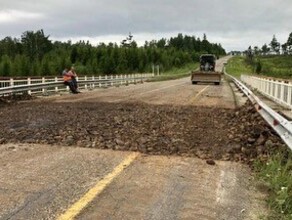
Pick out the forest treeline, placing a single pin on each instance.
(34, 54)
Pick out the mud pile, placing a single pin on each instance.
(207, 133)
(250, 136)
(12, 99)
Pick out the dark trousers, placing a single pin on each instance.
(71, 86)
(74, 81)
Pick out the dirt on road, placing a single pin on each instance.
(205, 132)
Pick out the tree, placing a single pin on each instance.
(9, 46)
(275, 45)
(74, 55)
(45, 67)
(161, 43)
(35, 54)
(16, 66)
(256, 50)
(284, 48)
(35, 44)
(206, 45)
(122, 66)
(265, 49)
(289, 43)
(6, 66)
(249, 54)
(258, 67)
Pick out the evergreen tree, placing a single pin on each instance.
(45, 66)
(265, 49)
(6, 66)
(16, 67)
(74, 55)
(35, 44)
(275, 45)
(289, 43)
(35, 54)
(284, 48)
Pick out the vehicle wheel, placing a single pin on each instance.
(217, 83)
(194, 82)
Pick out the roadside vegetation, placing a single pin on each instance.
(34, 54)
(278, 66)
(270, 60)
(237, 65)
(276, 173)
(176, 73)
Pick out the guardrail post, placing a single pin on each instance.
(29, 83)
(11, 82)
(265, 86)
(269, 88)
(282, 94)
(93, 81)
(43, 82)
(112, 80)
(99, 79)
(123, 80)
(289, 99)
(106, 83)
(56, 88)
(85, 79)
(289, 93)
(275, 89)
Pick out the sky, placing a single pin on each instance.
(235, 24)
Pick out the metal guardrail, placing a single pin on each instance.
(278, 90)
(280, 124)
(44, 85)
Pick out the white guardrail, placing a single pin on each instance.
(47, 85)
(278, 90)
(280, 124)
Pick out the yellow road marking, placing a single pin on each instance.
(196, 96)
(77, 207)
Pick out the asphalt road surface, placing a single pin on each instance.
(60, 182)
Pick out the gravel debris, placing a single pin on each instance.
(204, 132)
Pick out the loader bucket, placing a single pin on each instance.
(206, 77)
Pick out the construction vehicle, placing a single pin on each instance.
(207, 73)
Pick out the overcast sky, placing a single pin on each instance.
(235, 24)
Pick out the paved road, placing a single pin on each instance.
(50, 182)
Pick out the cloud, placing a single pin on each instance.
(234, 24)
(12, 16)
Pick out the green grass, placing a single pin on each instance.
(237, 66)
(176, 73)
(276, 175)
(279, 66)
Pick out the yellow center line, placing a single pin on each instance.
(77, 207)
(196, 96)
